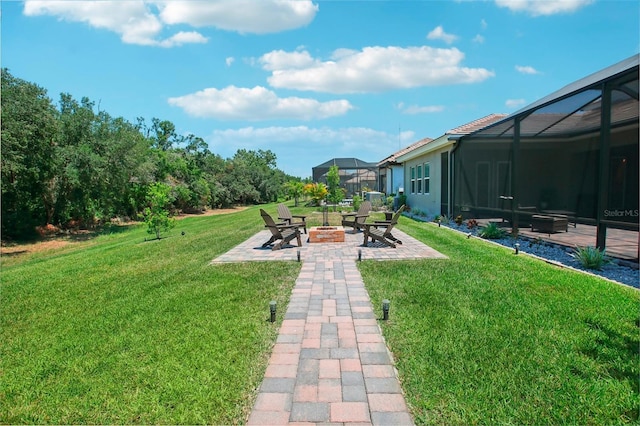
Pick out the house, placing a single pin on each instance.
(355, 175)
(391, 171)
(427, 168)
(572, 153)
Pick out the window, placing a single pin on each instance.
(427, 177)
(419, 179)
(413, 180)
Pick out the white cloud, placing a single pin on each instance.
(132, 20)
(183, 37)
(543, 7)
(526, 69)
(301, 147)
(514, 103)
(483, 24)
(258, 103)
(416, 109)
(143, 21)
(230, 60)
(438, 34)
(243, 16)
(372, 69)
(478, 39)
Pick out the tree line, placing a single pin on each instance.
(72, 165)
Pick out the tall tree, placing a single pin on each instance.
(336, 194)
(29, 129)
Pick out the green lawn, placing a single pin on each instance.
(119, 330)
(487, 337)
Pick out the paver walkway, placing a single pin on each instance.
(330, 363)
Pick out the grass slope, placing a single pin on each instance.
(487, 337)
(119, 330)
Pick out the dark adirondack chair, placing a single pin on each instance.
(279, 232)
(285, 215)
(357, 219)
(381, 230)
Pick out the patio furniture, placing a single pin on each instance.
(549, 224)
(571, 216)
(384, 235)
(356, 219)
(280, 232)
(285, 214)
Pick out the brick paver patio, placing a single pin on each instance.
(330, 363)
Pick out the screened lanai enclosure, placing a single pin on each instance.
(355, 175)
(573, 153)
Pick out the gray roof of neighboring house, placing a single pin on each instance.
(346, 163)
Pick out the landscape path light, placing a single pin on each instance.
(272, 309)
(385, 309)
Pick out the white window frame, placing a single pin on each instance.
(412, 178)
(427, 178)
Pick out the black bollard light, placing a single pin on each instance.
(385, 309)
(272, 308)
(517, 247)
(359, 255)
(298, 255)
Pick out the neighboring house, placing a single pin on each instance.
(355, 175)
(573, 153)
(391, 172)
(427, 168)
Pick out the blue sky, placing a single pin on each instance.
(313, 80)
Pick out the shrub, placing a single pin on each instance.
(591, 257)
(402, 200)
(472, 223)
(491, 232)
(156, 215)
(357, 200)
(458, 220)
(389, 202)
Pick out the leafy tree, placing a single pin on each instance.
(335, 193)
(28, 161)
(156, 214)
(295, 189)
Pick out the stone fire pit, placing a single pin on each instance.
(326, 234)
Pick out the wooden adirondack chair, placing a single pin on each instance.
(280, 232)
(356, 219)
(381, 230)
(285, 214)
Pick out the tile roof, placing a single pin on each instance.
(478, 124)
(392, 157)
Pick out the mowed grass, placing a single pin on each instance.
(487, 337)
(119, 330)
